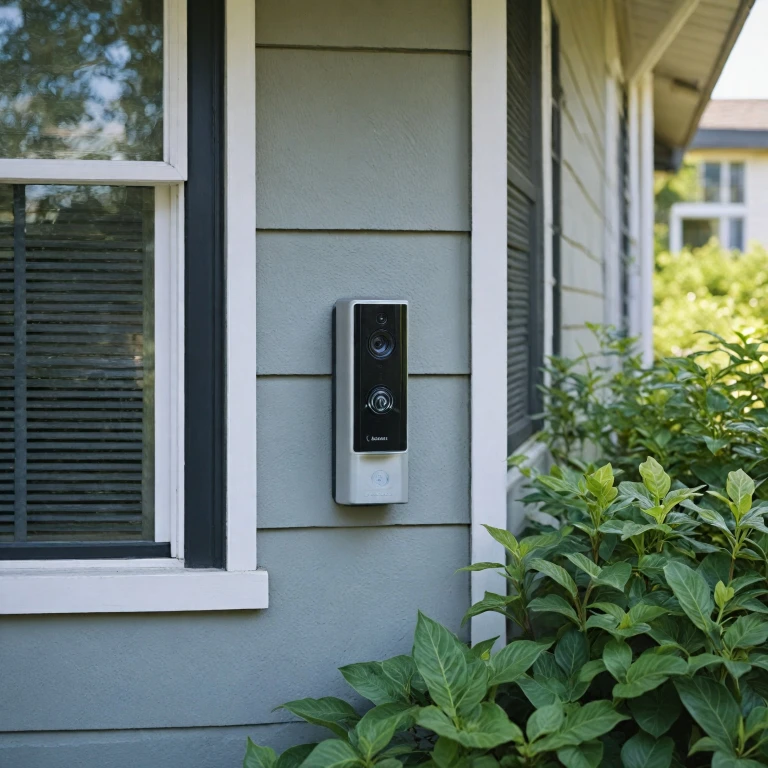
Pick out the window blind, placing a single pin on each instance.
(524, 262)
(76, 364)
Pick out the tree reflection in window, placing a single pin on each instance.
(81, 79)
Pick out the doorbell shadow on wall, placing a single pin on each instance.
(370, 401)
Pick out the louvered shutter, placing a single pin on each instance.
(524, 261)
(76, 348)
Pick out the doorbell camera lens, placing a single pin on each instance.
(381, 344)
(382, 318)
(380, 400)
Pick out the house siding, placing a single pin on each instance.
(756, 198)
(363, 174)
(586, 181)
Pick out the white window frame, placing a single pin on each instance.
(160, 585)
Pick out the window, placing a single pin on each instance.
(698, 232)
(113, 395)
(525, 284)
(711, 182)
(736, 234)
(737, 182)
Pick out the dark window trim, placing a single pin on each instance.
(205, 341)
(204, 368)
(557, 190)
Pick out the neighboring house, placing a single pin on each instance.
(184, 194)
(730, 153)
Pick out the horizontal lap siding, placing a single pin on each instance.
(363, 146)
(584, 176)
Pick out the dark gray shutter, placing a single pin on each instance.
(524, 262)
(76, 348)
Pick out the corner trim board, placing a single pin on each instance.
(489, 303)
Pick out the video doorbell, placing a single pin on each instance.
(370, 401)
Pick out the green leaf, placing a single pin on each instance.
(757, 721)
(329, 712)
(514, 660)
(553, 604)
(704, 744)
(446, 754)
(649, 672)
(490, 602)
(740, 487)
(657, 710)
(480, 567)
(655, 479)
(702, 661)
(723, 595)
(556, 573)
(725, 760)
(379, 725)
(692, 593)
(588, 755)
(538, 694)
(441, 661)
(617, 656)
(711, 705)
(572, 652)
(544, 720)
(483, 649)
(258, 757)
(486, 728)
(583, 724)
(584, 564)
(294, 757)
(505, 538)
(643, 751)
(370, 681)
(616, 576)
(746, 632)
(388, 762)
(591, 670)
(333, 754)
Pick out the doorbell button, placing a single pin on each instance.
(380, 478)
(380, 400)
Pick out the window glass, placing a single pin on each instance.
(698, 232)
(76, 363)
(81, 79)
(711, 176)
(736, 234)
(737, 182)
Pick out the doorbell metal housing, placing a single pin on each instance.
(370, 401)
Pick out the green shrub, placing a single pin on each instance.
(701, 416)
(643, 643)
(709, 287)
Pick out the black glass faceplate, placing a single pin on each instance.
(374, 433)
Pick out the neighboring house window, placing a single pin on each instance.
(557, 189)
(524, 210)
(698, 232)
(736, 183)
(625, 227)
(736, 234)
(711, 176)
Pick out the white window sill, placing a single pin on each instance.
(128, 589)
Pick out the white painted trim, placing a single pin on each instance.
(130, 172)
(241, 284)
(175, 86)
(647, 204)
(659, 39)
(612, 203)
(710, 210)
(489, 302)
(633, 99)
(129, 590)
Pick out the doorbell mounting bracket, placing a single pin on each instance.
(370, 401)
